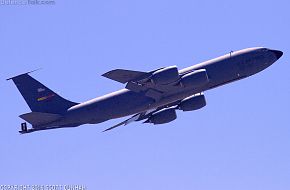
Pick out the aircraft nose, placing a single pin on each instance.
(277, 53)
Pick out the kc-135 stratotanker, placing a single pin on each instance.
(152, 97)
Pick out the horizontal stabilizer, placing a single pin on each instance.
(124, 76)
(38, 118)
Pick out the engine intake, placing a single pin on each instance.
(163, 116)
(195, 79)
(191, 103)
(165, 76)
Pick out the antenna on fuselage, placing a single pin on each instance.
(231, 53)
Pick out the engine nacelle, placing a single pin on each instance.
(163, 116)
(195, 79)
(165, 76)
(191, 103)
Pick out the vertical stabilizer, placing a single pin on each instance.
(40, 98)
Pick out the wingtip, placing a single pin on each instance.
(109, 73)
(108, 129)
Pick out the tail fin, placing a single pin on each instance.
(40, 98)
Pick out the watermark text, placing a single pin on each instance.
(26, 2)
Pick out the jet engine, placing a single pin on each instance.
(165, 76)
(191, 103)
(163, 116)
(195, 79)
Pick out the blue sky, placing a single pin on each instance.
(240, 140)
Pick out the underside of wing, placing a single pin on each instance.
(136, 117)
(167, 113)
(126, 122)
(142, 116)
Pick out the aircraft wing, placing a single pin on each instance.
(139, 81)
(126, 122)
(136, 117)
(140, 116)
(124, 76)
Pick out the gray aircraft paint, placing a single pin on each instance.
(222, 70)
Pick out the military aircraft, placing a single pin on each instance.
(152, 97)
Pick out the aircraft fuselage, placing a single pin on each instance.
(222, 70)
